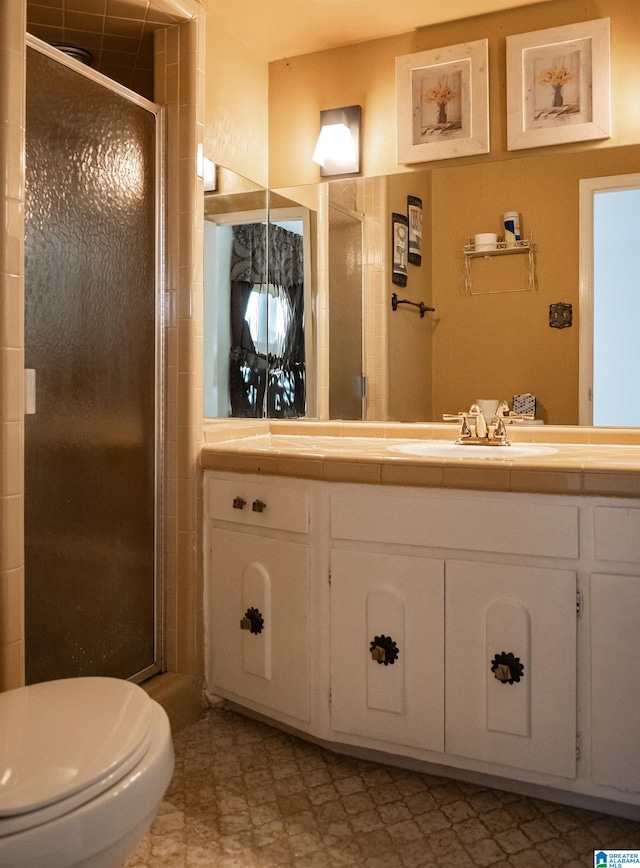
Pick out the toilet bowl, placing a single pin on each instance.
(84, 764)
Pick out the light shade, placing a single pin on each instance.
(337, 151)
(210, 175)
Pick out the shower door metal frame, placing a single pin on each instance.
(159, 114)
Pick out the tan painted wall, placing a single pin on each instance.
(364, 74)
(473, 336)
(236, 104)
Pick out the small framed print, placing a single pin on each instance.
(400, 251)
(414, 213)
(442, 103)
(558, 85)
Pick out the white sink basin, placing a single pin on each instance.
(448, 449)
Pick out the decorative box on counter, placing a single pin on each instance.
(524, 404)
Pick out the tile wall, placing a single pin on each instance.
(12, 121)
(180, 86)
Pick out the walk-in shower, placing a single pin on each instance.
(93, 337)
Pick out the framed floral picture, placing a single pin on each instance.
(442, 103)
(558, 85)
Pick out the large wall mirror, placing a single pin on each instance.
(493, 333)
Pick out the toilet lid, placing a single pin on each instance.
(59, 738)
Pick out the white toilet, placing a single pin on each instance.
(84, 764)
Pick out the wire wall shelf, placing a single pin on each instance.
(524, 246)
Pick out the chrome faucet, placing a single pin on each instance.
(475, 430)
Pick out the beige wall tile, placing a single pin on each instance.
(350, 471)
(548, 482)
(171, 649)
(11, 533)
(11, 80)
(12, 146)
(12, 665)
(611, 484)
(11, 606)
(11, 311)
(12, 24)
(180, 695)
(11, 230)
(489, 478)
(11, 383)
(187, 654)
(186, 505)
(620, 436)
(307, 469)
(11, 458)
(412, 474)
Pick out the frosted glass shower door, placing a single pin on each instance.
(91, 335)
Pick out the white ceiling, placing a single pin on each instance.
(274, 29)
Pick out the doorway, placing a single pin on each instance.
(610, 301)
(93, 337)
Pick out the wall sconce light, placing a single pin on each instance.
(338, 148)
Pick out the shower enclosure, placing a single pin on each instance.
(93, 338)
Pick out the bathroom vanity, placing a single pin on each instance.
(357, 594)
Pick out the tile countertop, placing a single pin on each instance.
(587, 461)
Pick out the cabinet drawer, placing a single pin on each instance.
(486, 524)
(259, 504)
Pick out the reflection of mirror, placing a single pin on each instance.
(493, 344)
(257, 292)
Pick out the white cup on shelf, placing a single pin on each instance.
(485, 241)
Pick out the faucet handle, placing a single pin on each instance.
(500, 432)
(465, 431)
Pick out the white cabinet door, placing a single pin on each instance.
(615, 681)
(265, 582)
(394, 603)
(517, 623)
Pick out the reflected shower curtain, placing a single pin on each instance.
(247, 368)
(269, 381)
(286, 392)
(90, 333)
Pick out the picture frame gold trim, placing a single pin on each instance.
(442, 103)
(558, 85)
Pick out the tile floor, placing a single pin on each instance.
(246, 795)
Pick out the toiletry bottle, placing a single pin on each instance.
(511, 228)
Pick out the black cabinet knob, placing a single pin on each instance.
(507, 668)
(384, 650)
(252, 621)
